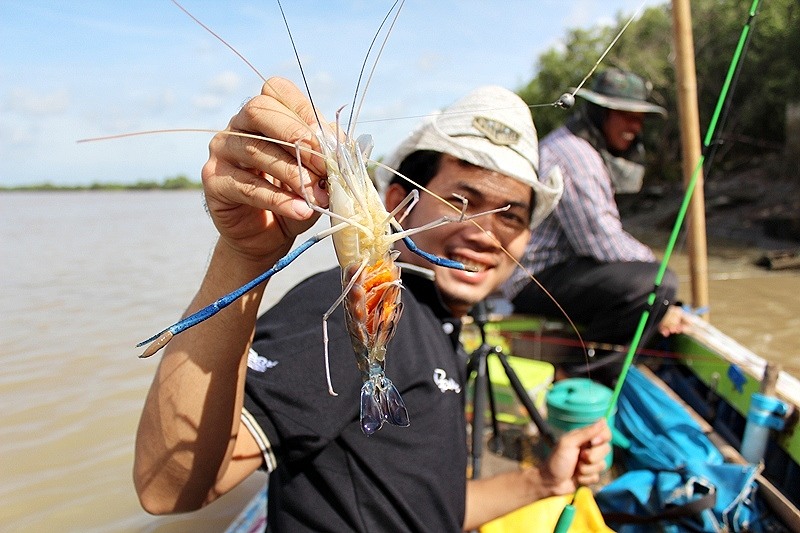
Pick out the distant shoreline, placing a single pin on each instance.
(177, 183)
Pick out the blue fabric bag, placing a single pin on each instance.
(677, 480)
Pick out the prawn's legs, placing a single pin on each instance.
(325, 318)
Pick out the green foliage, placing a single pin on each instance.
(179, 182)
(769, 77)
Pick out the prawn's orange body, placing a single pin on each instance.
(372, 308)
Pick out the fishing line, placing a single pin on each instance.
(567, 100)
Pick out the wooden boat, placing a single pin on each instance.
(710, 375)
(708, 378)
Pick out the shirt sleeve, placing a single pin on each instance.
(587, 211)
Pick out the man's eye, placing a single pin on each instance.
(512, 218)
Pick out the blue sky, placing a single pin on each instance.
(71, 70)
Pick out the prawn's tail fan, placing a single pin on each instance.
(381, 402)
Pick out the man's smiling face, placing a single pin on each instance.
(481, 249)
(621, 128)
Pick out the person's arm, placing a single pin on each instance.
(190, 445)
(578, 459)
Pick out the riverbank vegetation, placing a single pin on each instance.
(765, 90)
(179, 182)
(752, 193)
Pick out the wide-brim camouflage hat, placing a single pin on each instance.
(623, 91)
(490, 127)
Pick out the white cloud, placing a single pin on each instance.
(207, 102)
(27, 102)
(160, 101)
(225, 83)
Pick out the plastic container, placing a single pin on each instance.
(578, 402)
(766, 413)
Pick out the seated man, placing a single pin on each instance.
(597, 272)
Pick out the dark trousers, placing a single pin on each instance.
(607, 299)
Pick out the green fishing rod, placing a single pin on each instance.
(568, 514)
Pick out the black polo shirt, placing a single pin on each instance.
(326, 475)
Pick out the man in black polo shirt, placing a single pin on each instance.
(227, 401)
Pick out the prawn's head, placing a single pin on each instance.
(354, 201)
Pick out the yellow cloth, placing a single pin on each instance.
(542, 516)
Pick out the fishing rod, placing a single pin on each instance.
(707, 142)
(568, 514)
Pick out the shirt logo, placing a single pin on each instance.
(444, 383)
(259, 363)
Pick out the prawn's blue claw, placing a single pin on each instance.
(435, 259)
(381, 402)
(159, 340)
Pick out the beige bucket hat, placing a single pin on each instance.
(490, 127)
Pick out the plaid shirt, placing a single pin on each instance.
(585, 222)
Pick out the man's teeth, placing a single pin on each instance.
(471, 265)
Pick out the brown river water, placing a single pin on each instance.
(87, 275)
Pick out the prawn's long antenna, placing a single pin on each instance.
(203, 130)
(299, 63)
(243, 58)
(356, 110)
(220, 39)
